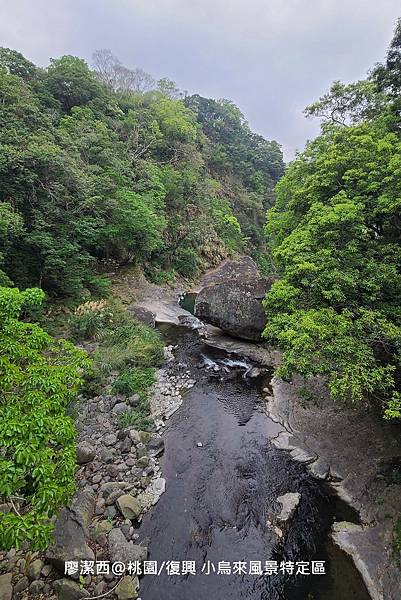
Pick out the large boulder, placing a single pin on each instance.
(235, 306)
(71, 532)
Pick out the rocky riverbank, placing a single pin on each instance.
(119, 479)
(360, 457)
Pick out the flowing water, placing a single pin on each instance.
(223, 478)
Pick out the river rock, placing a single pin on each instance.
(34, 569)
(120, 408)
(156, 445)
(289, 503)
(129, 506)
(134, 436)
(71, 532)
(100, 529)
(85, 453)
(126, 589)
(69, 590)
(235, 307)
(134, 400)
(6, 589)
(319, 469)
(20, 586)
(123, 551)
(110, 439)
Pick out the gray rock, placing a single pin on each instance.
(34, 569)
(141, 450)
(134, 400)
(107, 455)
(126, 589)
(145, 436)
(156, 445)
(289, 503)
(159, 486)
(129, 506)
(113, 496)
(110, 439)
(143, 314)
(319, 469)
(47, 569)
(361, 544)
(100, 529)
(85, 453)
(6, 589)
(303, 455)
(113, 471)
(134, 436)
(69, 590)
(71, 532)
(20, 586)
(235, 306)
(126, 445)
(123, 551)
(36, 587)
(110, 512)
(100, 506)
(120, 408)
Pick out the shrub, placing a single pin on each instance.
(40, 377)
(129, 344)
(186, 262)
(89, 319)
(137, 417)
(136, 381)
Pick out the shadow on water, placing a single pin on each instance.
(223, 478)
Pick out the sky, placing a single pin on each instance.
(271, 57)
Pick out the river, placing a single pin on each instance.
(223, 479)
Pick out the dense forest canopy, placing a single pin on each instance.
(109, 164)
(335, 234)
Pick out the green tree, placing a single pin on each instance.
(71, 82)
(335, 238)
(40, 377)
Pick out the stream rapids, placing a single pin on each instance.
(223, 479)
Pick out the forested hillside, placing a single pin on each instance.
(335, 234)
(98, 169)
(107, 164)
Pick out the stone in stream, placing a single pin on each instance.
(289, 504)
(71, 532)
(235, 307)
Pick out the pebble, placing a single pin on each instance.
(110, 439)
